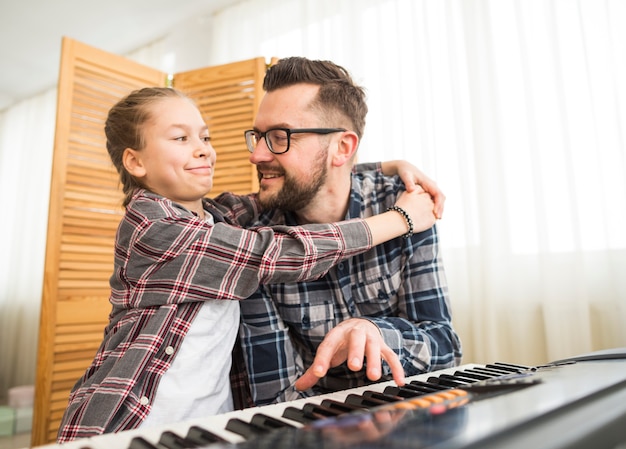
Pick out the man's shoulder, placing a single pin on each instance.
(376, 181)
(373, 193)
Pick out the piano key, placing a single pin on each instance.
(343, 406)
(314, 410)
(269, 422)
(520, 367)
(202, 437)
(424, 389)
(141, 443)
(171, 440)
(502, 367)
(360, 400)
(244, 428)
(402, 392)
(471, 375)
(493, 371)
(381, 396)
(298, 415)
(446, 382)
(431, 385)
(457, 378)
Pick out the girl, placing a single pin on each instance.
(166, 352)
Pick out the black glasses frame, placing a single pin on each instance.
(258, 135)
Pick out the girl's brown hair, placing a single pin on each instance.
(124, 129)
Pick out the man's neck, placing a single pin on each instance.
(330, 204)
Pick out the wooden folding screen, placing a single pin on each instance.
(228, 98)
(85, 201)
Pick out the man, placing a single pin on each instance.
(389, 304)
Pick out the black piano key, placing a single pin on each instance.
(402, 392)
(202, 437)
(318, 410)
(243, 428)
(269, 422)
(446, 382)
(506, 367)
(170, 440)
(296, 414)
(489, 374)
(468, 373)
(495, 372)
(424, 389)
(360, 400)
(431, 385)
(141, 443)
(342, 406)
(467, 378)
(382, 396)
(513, 365)
(460, 379)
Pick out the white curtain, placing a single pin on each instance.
(26, 142)
(516, 107)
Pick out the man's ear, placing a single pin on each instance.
(346, 148)
(133, 163)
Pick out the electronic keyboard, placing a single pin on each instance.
(572, 403)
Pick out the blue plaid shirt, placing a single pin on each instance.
(400, 286)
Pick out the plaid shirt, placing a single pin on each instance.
(167, 261)
(400, 286)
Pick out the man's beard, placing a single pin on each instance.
(295, 195)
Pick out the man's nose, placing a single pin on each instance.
(261, 152)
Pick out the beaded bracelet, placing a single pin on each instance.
(407, 218)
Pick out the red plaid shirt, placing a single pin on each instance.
(167, 261)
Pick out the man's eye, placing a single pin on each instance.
(206, 139)
(181, 138)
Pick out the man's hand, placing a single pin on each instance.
(351, 341)
(413, 178)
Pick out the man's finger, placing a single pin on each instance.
(357, 342)
(307, 380)
(373, 354)
(394, 363)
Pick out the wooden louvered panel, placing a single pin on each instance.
(85, 209)
(228, 97)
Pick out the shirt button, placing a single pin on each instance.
(340, 266)
(144, 400)
(169, 350)
(306, 320)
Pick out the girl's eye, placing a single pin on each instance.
(206, 139)
(181, 138)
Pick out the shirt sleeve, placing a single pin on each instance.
(422, 334)
(178, 257)
(241, 210)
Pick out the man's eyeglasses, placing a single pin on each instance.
(279, 139)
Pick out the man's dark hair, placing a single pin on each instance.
(338, 93)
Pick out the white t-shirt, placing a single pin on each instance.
(197, 383)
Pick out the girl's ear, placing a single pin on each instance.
(133, 164)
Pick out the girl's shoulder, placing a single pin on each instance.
(154, 207)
